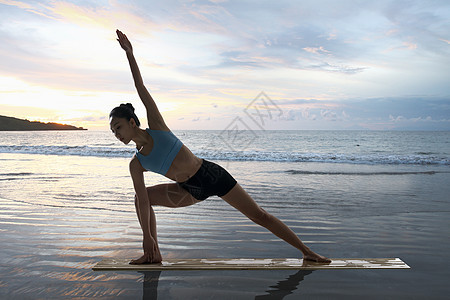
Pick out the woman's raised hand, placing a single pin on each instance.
(124, 42)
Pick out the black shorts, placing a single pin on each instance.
(210, 180)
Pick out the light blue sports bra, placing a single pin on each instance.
(165, 148)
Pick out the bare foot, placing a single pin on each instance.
(145, 259)
(316, 258)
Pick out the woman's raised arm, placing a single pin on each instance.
(155, 119)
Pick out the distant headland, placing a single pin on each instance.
(14, 124)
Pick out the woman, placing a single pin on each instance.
(160, 151)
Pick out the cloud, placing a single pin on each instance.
(371, 113)
(289, 102)
(406, 113)
(421, 23)
(325, 66)
(418, 123)
(316, 50)
(21, 5)
(92, 15)
(93, 118)
(329, 115)
(299, 114)
(408, 107)
(399, 119)
(356, 62)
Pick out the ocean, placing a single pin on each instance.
(67, 201)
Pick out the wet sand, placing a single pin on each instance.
(49, 246)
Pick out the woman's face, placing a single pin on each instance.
(122, 129)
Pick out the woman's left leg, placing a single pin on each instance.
(152, 219)
(241, 200)
(168, 195)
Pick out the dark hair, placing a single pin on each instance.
(125, 111)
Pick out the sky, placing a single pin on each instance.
(271, 65)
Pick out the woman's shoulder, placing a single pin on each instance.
(135, 164)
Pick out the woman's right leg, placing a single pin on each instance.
(239, 199)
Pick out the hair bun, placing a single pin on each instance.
(128, 106)
(125, 111)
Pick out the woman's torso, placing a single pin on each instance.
(180, 167)
(184, 166)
